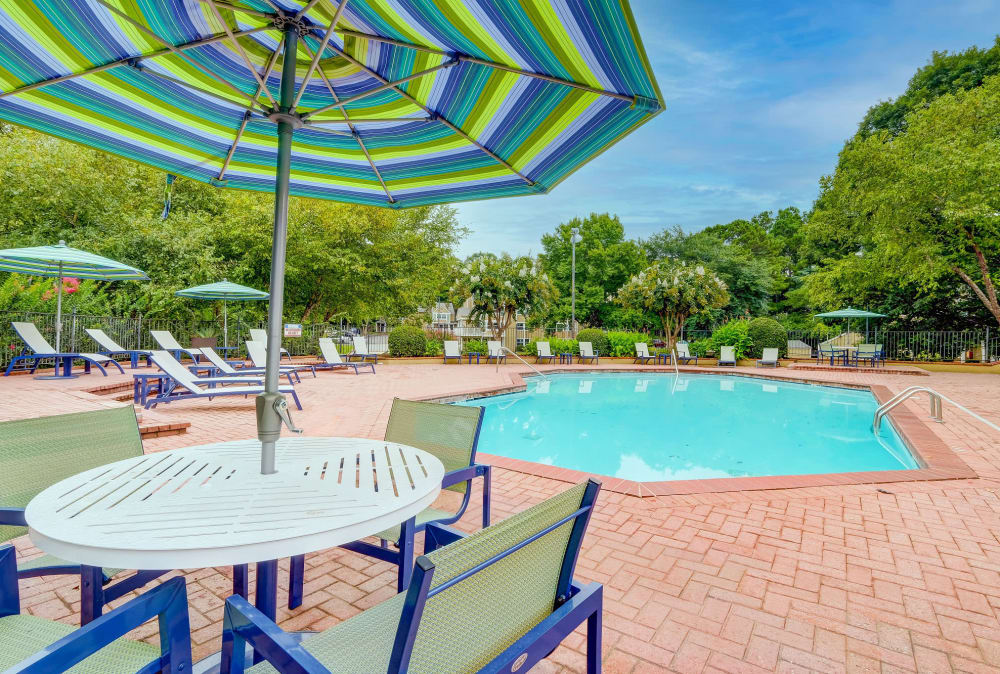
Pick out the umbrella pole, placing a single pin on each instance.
(225, 326)
(268, 419)
(59, 312)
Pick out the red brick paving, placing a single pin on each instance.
(898, 577)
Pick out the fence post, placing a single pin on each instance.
(987, 355)
(72, 339)
(138, 333)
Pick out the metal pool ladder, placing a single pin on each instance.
(935, 401)
(504, 348)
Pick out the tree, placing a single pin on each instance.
(503, 286)
(674, 291)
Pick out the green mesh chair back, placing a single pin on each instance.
(37, 453)
(449, 432)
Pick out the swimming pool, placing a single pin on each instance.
(650, 427)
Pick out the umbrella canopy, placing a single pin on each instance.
(60, 260)
(223, 290)
(387, 102)
(850, 313)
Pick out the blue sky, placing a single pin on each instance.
(760, 98)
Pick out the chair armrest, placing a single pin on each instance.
(243, 623)
(167, 601)
(453, 477)
(229, 380)
(439, 535)
(13, 517)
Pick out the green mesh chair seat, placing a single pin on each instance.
(24, 635)
(47, 560)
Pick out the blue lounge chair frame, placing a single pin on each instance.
(167, 602)
(645, 359)
(575, 604)
(327, 365)
(363, 356)
(458, 357)
(65, 359)
(134, 355)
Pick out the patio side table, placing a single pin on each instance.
(209, 505)
(664, 357)
(142, 385)
(471, 354)
(565, 358)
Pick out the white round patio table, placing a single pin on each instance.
(209, 505)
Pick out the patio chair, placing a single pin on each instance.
(830, 351)
(449, 432)
(257, 352)
(452, 350)
(867, 353)
(260, 336)
(684, 354)
(499, 600)
(35, 454)
(769, 357)
(42, 350)
(587, 353)
(543, 352)
(642, 353)
(182, 378)
(37, 645)
(727, 355)
(167, 342)
(111, 348)
(333, 360)
(494, 350)
(361, 350)
(220, 367)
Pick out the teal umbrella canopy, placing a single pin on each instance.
(850, 313)
(62, 260)
(223, 290)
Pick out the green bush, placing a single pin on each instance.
(556, 346)
(435, 347)
(734, 333)
(475, 346)
(407, 340)
(597, 338)
(622, 344)
(700, 347)
(767, 333)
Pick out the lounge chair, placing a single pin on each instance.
(361, 350)
(452, 350)
(494, 350)
(683, 354)
(333, 360)
(182, 378)
(727, 355)
(42, 350)
(260, 336)
(499, 600)
(642, 353)
(257, 352)
(38, 645)
(451, 433)
(220, 367)
(111, 348)
(168, 343)
(769, 357)
(543, 351)
(587, 353)
(35, 454)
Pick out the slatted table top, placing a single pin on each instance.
(210, 506)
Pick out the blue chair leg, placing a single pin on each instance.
(594, 643)
(241, 581)
(266, 593)
(486, 496)
(91, 593)
(296, 580)
(405, 554)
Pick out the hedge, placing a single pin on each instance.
(767, 333)
(407, 340)
(597, 338)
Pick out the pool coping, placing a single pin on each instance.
(938, 461)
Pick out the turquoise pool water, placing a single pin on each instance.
(665, 427)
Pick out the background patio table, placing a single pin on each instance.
(209, 505)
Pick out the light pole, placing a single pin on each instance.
(573, 238)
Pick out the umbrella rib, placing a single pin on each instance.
(370, 120)
(319, 52)
(242, 9)
(436, 116)
(309, 5)
(490, 64)
(146, 71)
(246, 59)
(127, 61)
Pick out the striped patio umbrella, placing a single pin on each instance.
(61, 260)
(387, 102)
(223, 290)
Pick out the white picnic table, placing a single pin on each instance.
(209, 505)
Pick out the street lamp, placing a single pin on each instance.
(574, 238)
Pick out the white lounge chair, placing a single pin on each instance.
(642, 353)
(220, 367)
(258, 356)
(452, 350)
(184, 384)
(542, 350)
(111, 348)
(494, 350)
(168, 343)
(587, 352)
(727, 355)
(332, 358)
(361, 350)
(684, 354)
(41, 350)
(260, 336)
(769, 357)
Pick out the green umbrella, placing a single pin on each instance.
(61, 260)
(850, 313)
(223, 290)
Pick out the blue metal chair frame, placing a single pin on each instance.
(168, 395)
(458, 358)
(66, 359)
(339, 366)
(575, 603)
(596, 358)
(133, 356)
(167, 602)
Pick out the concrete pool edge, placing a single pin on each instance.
(938, 460)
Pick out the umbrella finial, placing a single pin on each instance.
(62, 242)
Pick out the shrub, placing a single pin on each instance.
(735, 334)
(435, 347)
(596, 337)
(407, 340)
(767, 333)
(700, 347)
(475, 346)
(622, 344)
(556, 346)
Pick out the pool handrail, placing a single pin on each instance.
(504, 348)
(936, 409)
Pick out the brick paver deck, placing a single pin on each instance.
(893, 577)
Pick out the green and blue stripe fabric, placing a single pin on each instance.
(514, 95)
(223, 290)
(61, 260)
